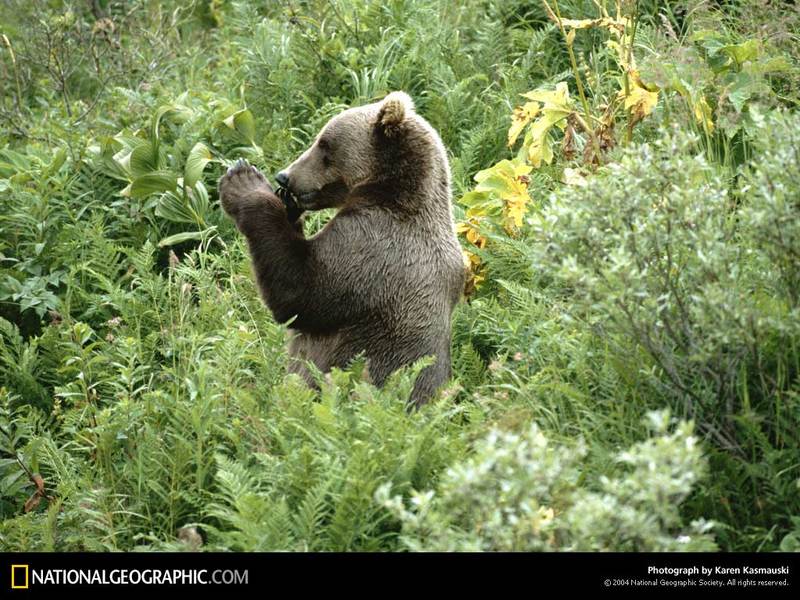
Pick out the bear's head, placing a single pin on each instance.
(369, 144)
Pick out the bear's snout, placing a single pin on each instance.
(304, 198)
(294, 186)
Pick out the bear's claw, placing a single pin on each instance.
(238, 166)
(242, 184)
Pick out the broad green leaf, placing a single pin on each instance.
(199, 157)
(123, 159)
(185, 237)
(494, 183)
(182, 113)
(198, 202)
(776, 64)
(243, 122)
(154, 125)
(743, 52)
(143, 159)
(713, 46)
(487, 206)
(741, 90)
(152, 183)
(126, 140)
(471, 198)
(173, 207)
(709, 39)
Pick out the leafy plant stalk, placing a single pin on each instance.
(578, 80)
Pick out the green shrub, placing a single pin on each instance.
(703, 281)
(519, 493)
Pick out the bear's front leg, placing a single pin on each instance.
(277, 247)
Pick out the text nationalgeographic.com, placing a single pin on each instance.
(138, 577)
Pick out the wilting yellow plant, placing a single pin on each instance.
(638, 98)
(501, 194)
(508, 181)
(553, 108)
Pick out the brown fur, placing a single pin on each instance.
(384, 274)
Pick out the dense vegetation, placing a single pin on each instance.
(625, 365)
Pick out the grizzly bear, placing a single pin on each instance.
(382, 277)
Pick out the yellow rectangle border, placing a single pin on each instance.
(14, 585)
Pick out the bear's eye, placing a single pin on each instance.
(324, 147)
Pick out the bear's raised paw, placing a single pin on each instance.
(243, 185)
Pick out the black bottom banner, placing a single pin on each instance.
(24, 574)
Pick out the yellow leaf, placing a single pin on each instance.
(552, 99)
(515, 204)
(465, 258)
(522, 169)
(556, 106)
(521, 116)
(698, 104)
(571, 37)
(507, 184)
(640, 102)
(476, 238)
(540, 151)
(641, 99)
(470, 231)
(605, 23)
(515, 208)
(476, 273)
(702, 113)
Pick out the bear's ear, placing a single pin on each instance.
(393, 112)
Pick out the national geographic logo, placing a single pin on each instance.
(22, 576)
